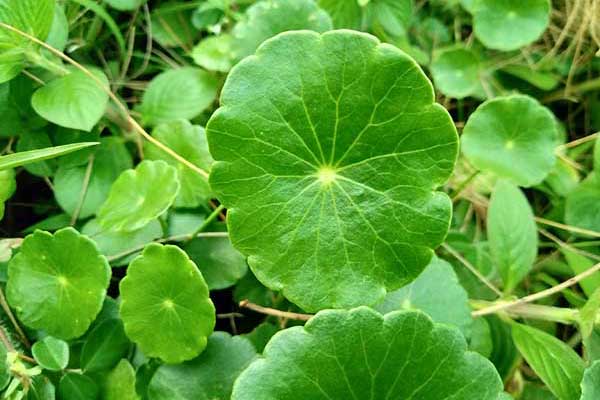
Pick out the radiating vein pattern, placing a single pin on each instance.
(328, 165)
(359, 354)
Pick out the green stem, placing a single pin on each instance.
(39, 60)
(209, 220)
(533, 311)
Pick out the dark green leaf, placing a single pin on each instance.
(104, 346)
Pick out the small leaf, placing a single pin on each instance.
(512, 234)
(579, 264)
(59, 32)
(108, 161)
(31, 16)
(221, 265)
(208, 376)
(456, 72)
(582, 208)
(214, 53)
(165, 304)
(189, 141)
(394, 16)
(344, 13)
(8, 185)
(358, 354)
(266, 19)
(553, 361)
(348, 148)
(73, 101)
(58, 282)
(539, 79)
(120, 383)
(51, 353)
(436, 292)
(28, 157)
(125, 5)
(178, 94)
(105, 345)
(510, 25)
(590, 385)
(74, 386)
(139, 196)
(514, 137)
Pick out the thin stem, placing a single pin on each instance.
(471, 268)
(534, 311)
(176, 238)
(5, 341)
(500, 306)
(567, 227)
(13, 320)
(273, 312)
(84, 189)
(137, 127)
(209, 220)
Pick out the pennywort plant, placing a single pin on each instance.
(299, 199)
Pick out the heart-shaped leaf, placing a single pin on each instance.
(359, 354)
(514, 137)
(51, 353)
(509, 25)
(165, 304)
(73, 101)
(208, 376)
(139, 196)
(189, 141)
(58, 282)
(329, 166)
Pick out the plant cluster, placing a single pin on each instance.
(299, 199)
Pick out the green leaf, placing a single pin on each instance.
(514, 137)
(394, 16)
(512, 234)
(58, 282)
(209, 376)
(74, 386)
(456, 72)
(31, 16)
(165, 304)
(189, 141)
(510, 24)
(113, 243)
(172, 24)
(74, 100)
(481, 338)
(100, 11)
(125, 5)
(266, 19)
(597, 157)
(221, 265)
(344, 13)
(110, 159)
(579, 264)
(51, 353)
(587, 315)
(28, 157)
(438, 293)
(505, 354)
(590, 385)
(347, 147)
(32, 140)
(261, 335)
(359, 354)
(214, 53)
(105, 345)
(582, 208)
(59, 32)
(553, 361)
(120, 383)
(8, 185)
(178, 94)
(139, 196)
(539, 79)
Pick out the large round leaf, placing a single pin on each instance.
(189, 141)
(57, 283)
(209, 376)
(178, 94)
(139, 196)
(73, 101)
(510, 24)
(328, 166)
(359, 354)
(165, 305)
(265, 19)
(514, 137)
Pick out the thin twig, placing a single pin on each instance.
(471, 268)
(537, 296)
(137, 127)
(5, 341)
(276, 313)
(567, 227)
(13, 320)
